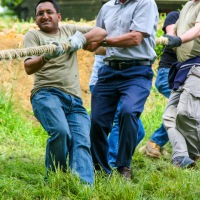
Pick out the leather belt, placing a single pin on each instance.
(124, 64)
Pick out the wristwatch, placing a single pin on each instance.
(104, 43)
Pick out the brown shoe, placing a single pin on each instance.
(125, 172)
(152, 149)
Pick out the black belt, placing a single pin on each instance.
(124, 64)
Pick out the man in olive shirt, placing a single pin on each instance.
(56, 96)
(181, 118)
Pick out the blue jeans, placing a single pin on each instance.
(160, 136)
(114, 137)
(132, 87)
(68, 125)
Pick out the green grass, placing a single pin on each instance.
(22, 145)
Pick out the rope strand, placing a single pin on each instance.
(162, 40)
(19, 53)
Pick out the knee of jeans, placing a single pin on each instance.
(101, 122)
(59, 132)
(127, 112)
(82, 138)
(94, 122)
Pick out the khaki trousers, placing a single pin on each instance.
(182, 117)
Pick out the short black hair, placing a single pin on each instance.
(55, 5)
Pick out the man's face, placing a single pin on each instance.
(47, 18)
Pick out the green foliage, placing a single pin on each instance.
(158, 48)
(11, 3)
(10, 7)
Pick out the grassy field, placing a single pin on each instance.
(22, 144)
(22, 149)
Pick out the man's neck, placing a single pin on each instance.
(123, 1)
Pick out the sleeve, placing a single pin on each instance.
(146, 14)
(30, 40)
(198, 18)
(99, 20)
(73, 28)
(171, 18)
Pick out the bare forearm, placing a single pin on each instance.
(101, 51)
(133, 38)
(126, 40)
(33, 65)
(95, 35)
(191, 34)
(170, 30)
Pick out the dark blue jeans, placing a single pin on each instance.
(114, 137)
(160, 136)
(68, 125)
(132, 87)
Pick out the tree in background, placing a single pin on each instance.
(11, 3)
(14, 8)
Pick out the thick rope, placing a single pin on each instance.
(39, 50)
(162, 40)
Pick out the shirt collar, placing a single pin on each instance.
(118, 1)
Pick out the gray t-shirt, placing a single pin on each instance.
(138, 15)
(60, 72)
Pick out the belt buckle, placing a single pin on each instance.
(122, 65)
